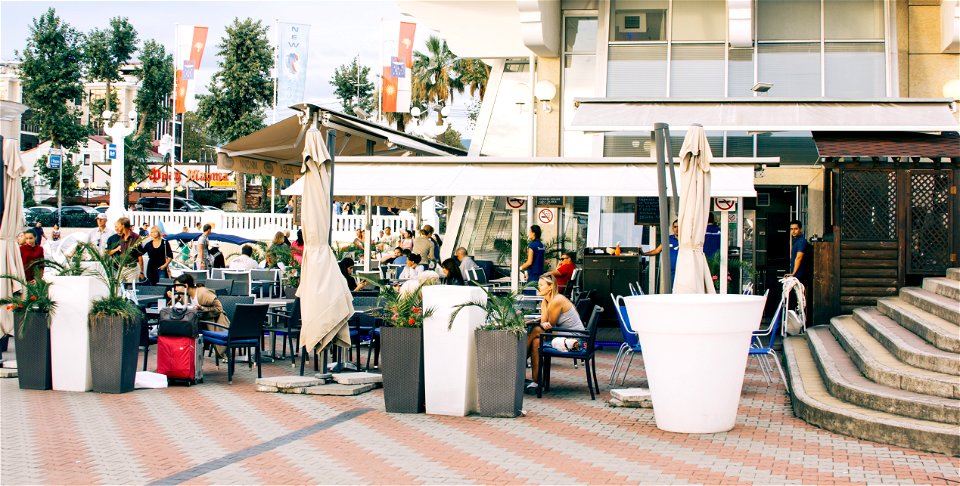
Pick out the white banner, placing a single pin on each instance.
(292, 69)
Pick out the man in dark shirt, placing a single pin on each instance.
(799, 253)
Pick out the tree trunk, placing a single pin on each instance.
(107, 104)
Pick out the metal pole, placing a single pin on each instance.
(674, 199)
(2, 171)
(173, 122)
(331, 146)
(60, 191)
(666, 280)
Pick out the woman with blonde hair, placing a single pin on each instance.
(556, 311)
(159, 255)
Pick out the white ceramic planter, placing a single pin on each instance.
(69, 331)
(450, 355)
(695, 353)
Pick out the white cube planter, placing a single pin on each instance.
(69, 331)
(695, 354)
(450, 355)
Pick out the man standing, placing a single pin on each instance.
(799, 253)
(536, 252)
(144, 230)
(466, 263)
(126, 239)
(100, 235)
(711, 239)
(38, 233)
(203, 248)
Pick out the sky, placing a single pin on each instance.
(339, 31)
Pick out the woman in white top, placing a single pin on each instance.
(413, 267)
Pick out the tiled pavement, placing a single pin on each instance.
(230, 434)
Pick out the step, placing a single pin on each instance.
(844, 381)
(935, 304)
(880, 366)
(946, 287)
(953, 273)
(813, 403)
(934, 330)
(905, 345)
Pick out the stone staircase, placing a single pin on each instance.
(889, 373)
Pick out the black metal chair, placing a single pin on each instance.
(244, 333)
(286, 322)
(587, 339)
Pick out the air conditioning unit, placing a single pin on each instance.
(632, 21)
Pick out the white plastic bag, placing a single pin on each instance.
(149, 379)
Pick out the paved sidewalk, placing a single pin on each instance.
(231, 434)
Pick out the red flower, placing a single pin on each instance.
(33, 297)
(20, 306)
(411, 321)
(10, 307)
(415, 310)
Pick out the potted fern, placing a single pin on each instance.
(31, 311)
(501, 355)
(401, 347)
(114, 325)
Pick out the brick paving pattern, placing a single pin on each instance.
(231, 434)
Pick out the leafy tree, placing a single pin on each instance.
(474, 75)
(156, 78)
(50, 70)
(434, 78)
(451, 137)
(52, 176)
(353, 87)
(242, 88)
(106, 50)
(197, 141)
(95, 107)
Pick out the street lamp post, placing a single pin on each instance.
(117, 132)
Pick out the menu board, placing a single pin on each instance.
(647, 211)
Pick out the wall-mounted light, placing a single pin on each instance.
(521, 94)
(761, 88)
(545, 91)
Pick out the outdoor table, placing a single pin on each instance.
(273, 302)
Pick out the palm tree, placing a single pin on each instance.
(434, 76)
(474, 74)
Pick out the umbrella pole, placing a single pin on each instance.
(666, 273)
(3, 171)
(674, 198)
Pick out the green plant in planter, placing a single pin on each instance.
(402, 307)
(35, 297)
(116, 270)
(714, 264)
(553, 248)
(502, 313)
(73, 267)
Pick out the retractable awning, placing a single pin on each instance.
(765, 114)
(530, 176)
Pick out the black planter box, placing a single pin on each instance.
(401, 350)
(501, 368)
(113, 353)
(33, 351)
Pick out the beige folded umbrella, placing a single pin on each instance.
(10, 263)
(692, 272)
(325, 301)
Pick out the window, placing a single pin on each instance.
(854, 70)
(699, 20)
(580, 35)
(740, 72)
(794, 69)
(637, 70)
(86, 159)
(697, 71)
(579, 78)
(788, 20)
(853, 20)
(639, 20)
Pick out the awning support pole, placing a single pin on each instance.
(331, 142)
(666, 274)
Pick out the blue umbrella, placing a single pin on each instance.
(236, 240)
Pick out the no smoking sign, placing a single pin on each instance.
(545, 215)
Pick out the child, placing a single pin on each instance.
(56, 232)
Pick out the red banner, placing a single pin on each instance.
(181, 104)
(196, 47)
(405, 45)
(389, 95)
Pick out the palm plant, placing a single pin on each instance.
(714, 264)
(116, 270)
(35, 297)
(434, 75)
(502, 313)
(402, 308)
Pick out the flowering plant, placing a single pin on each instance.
(35, 297)
(403, 307)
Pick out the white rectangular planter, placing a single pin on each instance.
(695, 353)
(450, 355)
(69, 331)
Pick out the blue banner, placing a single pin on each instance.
(292, 70)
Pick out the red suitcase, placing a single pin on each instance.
(180, 358)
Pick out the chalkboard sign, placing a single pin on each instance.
(647, 211)
(549, 202)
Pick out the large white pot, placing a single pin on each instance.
(695, 352)
(69, 331)
(450, 353)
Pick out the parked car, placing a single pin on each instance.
(210, 208)
(101, 209)
(72, 217)
(31, 214)
(180, 204)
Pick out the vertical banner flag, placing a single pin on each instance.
(405, 44)
(389, 91)
(191, 41)
(292, 71)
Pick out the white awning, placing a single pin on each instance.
(535, 176)
(766, 115)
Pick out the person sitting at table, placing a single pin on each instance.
(565, 270)
(412, 267)
(556, 311)
(244, 261)
(346, 269)
(466, 262)
(450, 270)
(204, 300)
(406, 239)
(389, 258)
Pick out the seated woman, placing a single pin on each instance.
(204, 300)
(412, 268)
(31, 254)
(450, 270)
(346, 269)
(556, 311)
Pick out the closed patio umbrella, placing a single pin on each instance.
(325, 300)
(10, 263)
(692, 272)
